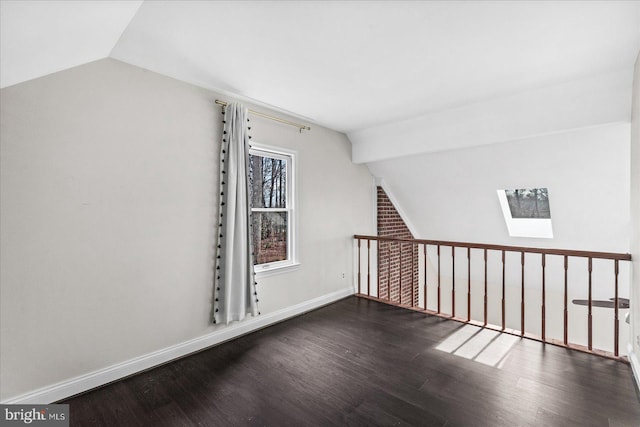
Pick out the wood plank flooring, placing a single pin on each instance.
(363, 363)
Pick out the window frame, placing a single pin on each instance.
(289, 156)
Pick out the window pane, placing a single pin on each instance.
(269, 182)
(269, 236)
(529, 203)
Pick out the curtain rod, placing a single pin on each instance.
(267, 116)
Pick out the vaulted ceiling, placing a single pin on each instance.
(349, 65)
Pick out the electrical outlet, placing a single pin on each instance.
(343, 275)
(638, 340)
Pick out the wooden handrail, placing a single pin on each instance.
(397, 271)
(568, 252)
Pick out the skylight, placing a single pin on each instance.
(526, 212)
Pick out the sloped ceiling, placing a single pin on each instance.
(352, 65)
(42, 37)
(425, 75)
(347, 65)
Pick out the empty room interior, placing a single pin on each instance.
(320, 213)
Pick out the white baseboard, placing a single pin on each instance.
(118, 371)
(635, 364)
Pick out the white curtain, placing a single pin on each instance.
(234, 293)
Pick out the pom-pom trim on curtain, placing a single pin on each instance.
(235, 293)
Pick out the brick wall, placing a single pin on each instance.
(390, 224)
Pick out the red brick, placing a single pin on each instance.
(390, 224)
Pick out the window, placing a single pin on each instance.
(526, 212)
(272, 207)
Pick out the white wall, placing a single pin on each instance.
(635, 222)
(452, 195)
(108, 212)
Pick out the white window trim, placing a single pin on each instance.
(291, 263)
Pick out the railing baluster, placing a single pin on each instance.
(359, 266)
(413, 285)
(379, 251)
(453, 281)
(425, 276)
(590, 319)
(543, 297)
(411, 247)
(369, 267)
(438, 279)
(503, 289)
(522, 296)
(389, 272)
(400, 272)
(468, 284)
(616, 325)
(485, 287)
(566, 298)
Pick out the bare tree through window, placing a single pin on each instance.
(529, 203)
(269, 213)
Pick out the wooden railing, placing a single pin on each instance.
(427, 260)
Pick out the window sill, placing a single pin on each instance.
(276, 269)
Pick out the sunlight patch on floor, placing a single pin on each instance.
(481, 345)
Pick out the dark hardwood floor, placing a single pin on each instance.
(360, 362)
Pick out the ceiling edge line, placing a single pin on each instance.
(126, 27)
